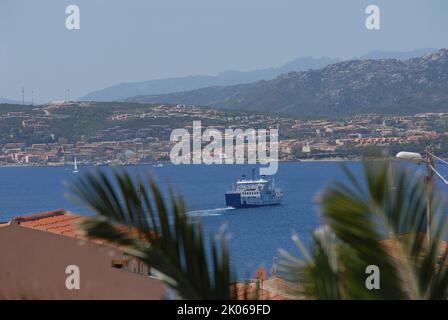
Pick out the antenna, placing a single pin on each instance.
(32, 97)
(432, 167)
(23, 95)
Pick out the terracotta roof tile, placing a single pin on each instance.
(63, 223)
(57, 221)
(39, 216)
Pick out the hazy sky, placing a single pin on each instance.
(136, 40)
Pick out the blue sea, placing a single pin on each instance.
(256, 234)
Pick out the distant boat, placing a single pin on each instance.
(158, 165)
(253, 193)
(75, 169)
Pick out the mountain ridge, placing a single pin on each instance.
(179, 84)
(4, 100)
(230, 77)
(343, 88)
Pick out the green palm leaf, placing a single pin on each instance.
(390, 203)
(157, 231)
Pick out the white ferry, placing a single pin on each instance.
(254, 193)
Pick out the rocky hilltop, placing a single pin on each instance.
(345, 88)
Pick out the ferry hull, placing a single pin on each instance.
(234, 200)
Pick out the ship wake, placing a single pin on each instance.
(209, 212)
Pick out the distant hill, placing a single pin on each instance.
(401, 55)
(162, 86)
(8, 101)
(344, 88)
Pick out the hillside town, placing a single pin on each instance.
(140, 134)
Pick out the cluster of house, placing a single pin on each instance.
(124, 151)
(122, 143)
(314, 136)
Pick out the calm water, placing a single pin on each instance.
(256, 233)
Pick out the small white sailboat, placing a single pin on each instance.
(75, 169)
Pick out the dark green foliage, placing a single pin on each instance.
(391, 204)
(166, 239)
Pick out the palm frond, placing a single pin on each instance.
(316, 273)
(379, 221)
(157, 231)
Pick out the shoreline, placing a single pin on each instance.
(355, 159)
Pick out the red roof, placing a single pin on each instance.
(63, 223)
(56, 221)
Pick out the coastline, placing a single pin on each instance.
(69, 164)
